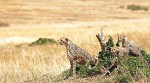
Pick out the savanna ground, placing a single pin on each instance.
(24, 21)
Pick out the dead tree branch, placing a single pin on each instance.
(101, 40)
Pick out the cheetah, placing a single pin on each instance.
(133, 47)
(120, 51)
(76, 55)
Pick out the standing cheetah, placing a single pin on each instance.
(76, 55)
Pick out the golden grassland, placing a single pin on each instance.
(23, 62)
(64, 18)
(37, 11)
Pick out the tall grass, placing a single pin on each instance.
(24, 62)
(31, 62)
(23, 22)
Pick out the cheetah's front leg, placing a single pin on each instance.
(73, 68)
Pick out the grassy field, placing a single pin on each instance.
(78, 20)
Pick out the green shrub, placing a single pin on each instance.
(105, 58)
(134, 67)
(133, 63)
(83, 71)
(146, 72)
(137, 7)
(146, 56)
(43, 41)
(123, 78)
(66, 74)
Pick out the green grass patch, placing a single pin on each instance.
(123, 78)
(44, 41)
(137, 7)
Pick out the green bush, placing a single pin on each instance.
(123, 78)
(84, 71)
(134, 67)
(146, 56)
(43, 41)
(137, 7)
(146, 72)
(132, 63)
(105, 58)
(66, 74)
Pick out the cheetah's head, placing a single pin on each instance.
(121, 37)
(63, 41)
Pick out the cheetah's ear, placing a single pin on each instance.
(66, 39)
(124, 36)
(118, 35)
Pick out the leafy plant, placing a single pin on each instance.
(133, 66)
(43, 41)
(123, 78)
(106, 57)
(84, 71)
(110, 42)
(146, 56)
(146, 72)
(66, 74)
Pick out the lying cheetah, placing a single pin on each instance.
(120, 51)
(133, 47)
(76, 55)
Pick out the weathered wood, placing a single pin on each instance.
(101, 40)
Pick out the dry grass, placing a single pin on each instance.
(30, 20)
(35, 11)
(27, 63)
(23, 62)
